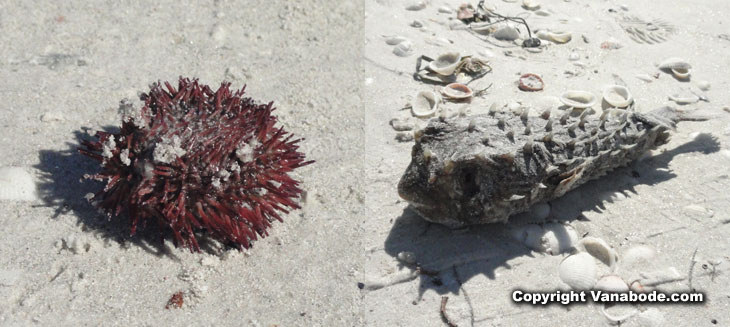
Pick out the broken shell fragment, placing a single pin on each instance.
(457, 91)
(611, 283)
(578, 271)
(425, 104)
(394, 39)
(599, 249)
(674, 63)
(445, 64)
(530, 82)
(578, 99)
(680, 73)
(555, 37)
(684, 99)
(617, 96)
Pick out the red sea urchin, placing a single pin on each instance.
(193, 159)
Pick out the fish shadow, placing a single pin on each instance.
(481, 249)
(62, 186)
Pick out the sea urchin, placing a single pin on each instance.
(197, 160)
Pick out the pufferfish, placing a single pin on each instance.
(484, 168)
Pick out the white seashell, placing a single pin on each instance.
(599, 249)
(578, 271)
(703, 85)
(611, 283)
(445, 10)
(644, 77)
(574, 56)
(482, 28)
(684, 99)
(457, 91)
(407, 257)
(617, 96)
(394, 40)
(507, 33)
(578, 99)
(530, 4)
(558, 238)
(403, 49)
(425, 104)
(637, 254)
(445, 64)
(674, 63)
(556, 37)
(680, 73)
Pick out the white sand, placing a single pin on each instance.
(65, 68)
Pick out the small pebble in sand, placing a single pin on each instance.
(403, 49)
(416, 23)
(401, 125)
(407, 257)
(445, 10)
(574, 56)
(16, 184)
(703, 85)
(506, 33)
(404, 137)
(416, 6)
(395, 40)
(624, 7)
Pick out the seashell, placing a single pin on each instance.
(531, 82)
(394, 39)
(637, 287)
(425, 104)
(611, 283)
(507, 32)
(482, 27)
(556, 37)
(578, 99)
(680, 73)
(407, 257)
(403, 49)
(578, 271)
(457, 91)
(684, 99)
(644, 77)
(674, 63)
(558, 238)
(617, 96)
(466, 12)
(574, 56)
(599, 249)
(445, 64)
(445, 10)
(542, 13)
(530, 4)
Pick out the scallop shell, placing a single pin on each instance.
(425, 104)
(457, 91)
(611, 283)
(674, 63)
(578, 271)
(445, 64)
(578, 99)
(617, 96)
(599, 249)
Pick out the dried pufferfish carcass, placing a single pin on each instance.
(485, 168)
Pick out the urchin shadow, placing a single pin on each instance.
(485, 248)
(62, 186)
